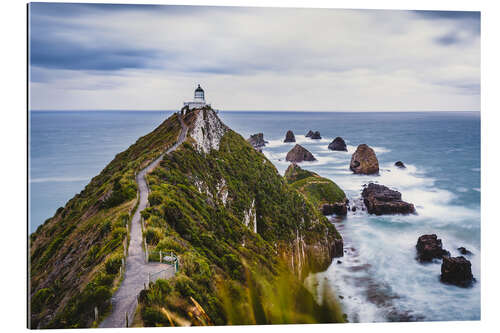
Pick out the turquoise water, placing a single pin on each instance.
(379, 279)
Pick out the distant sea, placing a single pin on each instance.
(378, 277)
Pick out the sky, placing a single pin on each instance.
(147, 57)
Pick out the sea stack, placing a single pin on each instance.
(338, 144)
(289, 137)
(400, 164)
(257, 141)
(457, 271)
(299, 154)
(315, 135)
(364, 161)
(430, 247)
(309, 134)
(381, 200)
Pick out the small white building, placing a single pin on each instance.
(199, 99)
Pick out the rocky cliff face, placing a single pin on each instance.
(206, 129)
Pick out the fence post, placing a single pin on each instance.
(96, 313)
(160, 258)
(120, 271)
(126, 319)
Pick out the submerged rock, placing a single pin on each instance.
(289, 137)
(338, 144)
(457, 271)
(430, 247)
(400, 164)
(257, 141)
(464, 251)
(380, 199)
(364, 160)
(299, 154)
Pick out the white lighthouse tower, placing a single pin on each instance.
(199, 99)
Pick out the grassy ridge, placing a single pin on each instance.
(316, 189)
(202, 207)
(75, 255)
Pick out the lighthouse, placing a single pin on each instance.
(199, 99)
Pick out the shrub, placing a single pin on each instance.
(41, 298)
(153, 235)
(113, 264)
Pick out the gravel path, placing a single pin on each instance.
(124, 301)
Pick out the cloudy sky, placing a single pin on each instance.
(151, 57)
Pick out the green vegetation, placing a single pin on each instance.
(316, 189)
(203, 207)
(75, 256)
(200, 202)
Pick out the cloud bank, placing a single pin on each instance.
(95, 56)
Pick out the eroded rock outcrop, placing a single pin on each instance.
(380, 200)
(315, 135)
(457, 271)
(338, 144)
(207, 130)
(289, 137)
(257, 141)
(429, 247)
(364, 160)
(309, 134)
(299, 154)
(400, 164)
(338, 208)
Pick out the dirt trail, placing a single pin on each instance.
(124, 301)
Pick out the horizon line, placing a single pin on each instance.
(238, 110)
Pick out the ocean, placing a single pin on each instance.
(378, 279)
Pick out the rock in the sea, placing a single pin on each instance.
(338, 248)
(315, 135)
(338, 144)
(400, 164)
(364, 160)
(299, 154)
(380, 199)
(339, 208)
(289, 137)
(464, 251)
(257, 140)
(309, 134)
(457, 271)
(430, 247)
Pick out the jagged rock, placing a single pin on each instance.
(364, 160)
(315, 135)
(400, 164)
(430, 247)
(338, 248)
(457, 271)
(339, 208)
(309, 134)
(338, 144)
(257, 141)
(289, 137)
(207, 129)
(380, 199)
(464, 251)
(299, 154)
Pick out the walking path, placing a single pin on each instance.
(124, 301)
